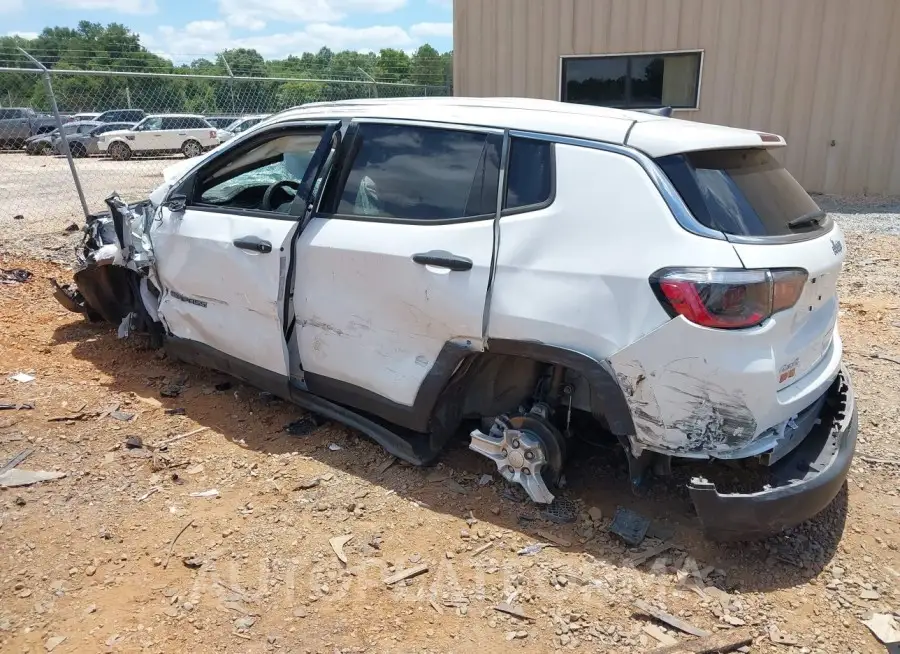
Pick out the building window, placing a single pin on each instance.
(633, 81)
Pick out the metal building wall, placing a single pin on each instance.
(825, 74)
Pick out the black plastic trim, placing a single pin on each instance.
(416, 417)
(804, 482)
(538, 206)
(606, 394)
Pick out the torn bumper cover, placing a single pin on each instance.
(113, 277)
(802, 483)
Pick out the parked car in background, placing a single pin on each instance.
(235, 127)
(189, 134)
(84, 143)
(17, 124)
(43, 143)
(90, 115)
(221, 122)
(122, 116)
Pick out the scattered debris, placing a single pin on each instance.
(878, 461)
(631, 527)
(150, 492)
(869, 594)
(595, 514)
(192, 562)
(881, 357)
(655, 632)
(484, 480)
(483, 548)
(223, 386)
(455, 487)
(15, 477)
(212, 492)
(5, 406)
(306, 484)
(885, 627)
(531, 550)
(305, 425)
(509, 609)
(437, 476)
(134, 442)
(670, 619)
(245, 622)
(641, 558)
(22, 378)
(172, 544)
(660, 531)
(779, 638)
(121, 416)
(387, 464)
(437, 607)
(720, 643)
(16, 460)
(561, 511)
(175, 439)
(177, 411)
(18, 216)
(553, 538)
(54, 642)
(14, 275)
(406, 574)
(72, 227)
(170, 390)
(334, 447)
(337, 544)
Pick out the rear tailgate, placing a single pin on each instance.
(772, 223)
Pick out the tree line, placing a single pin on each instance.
(309, 77)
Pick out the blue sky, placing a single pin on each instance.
(184, 29)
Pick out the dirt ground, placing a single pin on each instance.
(89, 558)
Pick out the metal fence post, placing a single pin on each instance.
(230, 81)
(371, 79)
(62, 137)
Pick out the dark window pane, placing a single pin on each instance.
(417, 173)
(599, 81)
(740, 192)
(647, 81)
(530, 177)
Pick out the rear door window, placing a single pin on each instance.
(744, 192)
(529, 182)
(414, 173)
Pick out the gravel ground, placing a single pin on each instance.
(863, 214)
(94, 561)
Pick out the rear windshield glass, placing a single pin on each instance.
(742, 192)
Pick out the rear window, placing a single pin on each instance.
(742, 192)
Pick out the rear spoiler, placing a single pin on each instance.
(661, 111)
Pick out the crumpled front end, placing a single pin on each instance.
(114, 279)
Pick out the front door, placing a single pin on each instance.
(222, 259)
(392, 272)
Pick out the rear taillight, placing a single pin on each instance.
(727, 298)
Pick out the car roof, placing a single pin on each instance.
(175, 116)
(656, 135)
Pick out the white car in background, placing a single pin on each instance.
(189, 134)
(241, 125)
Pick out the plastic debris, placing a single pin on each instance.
(631, 527)
(561, 511)
(885, 627)
(15, 477)
(334, 447)
(337, 544)
(531, 550)
(406, 574)
(212, 492)
(22, 378)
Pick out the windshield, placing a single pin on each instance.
(744, 192)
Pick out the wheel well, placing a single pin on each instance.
(492, 384)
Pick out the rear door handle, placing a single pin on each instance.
(253, 243)
(442, 259)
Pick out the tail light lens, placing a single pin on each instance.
(727, 298)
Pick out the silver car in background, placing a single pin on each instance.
(84, 143)
(240, 125)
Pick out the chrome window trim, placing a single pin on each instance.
(415, 122)
(670, 195)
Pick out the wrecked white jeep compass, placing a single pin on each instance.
(407, 266)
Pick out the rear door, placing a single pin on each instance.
(772, 223)
(223, 258)
(149, 135)
(392, 274)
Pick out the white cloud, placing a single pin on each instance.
(10, 6)
(205, 37)
(24, 35)
(115, 6)
(253, 12)
(243, 21)
(447, 4)
(432, 30)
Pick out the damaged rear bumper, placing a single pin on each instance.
(802, 484)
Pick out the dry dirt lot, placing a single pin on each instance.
(90, 559)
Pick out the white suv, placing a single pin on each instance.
(161, 134)
(409, 266)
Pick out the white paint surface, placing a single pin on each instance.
(368, 315)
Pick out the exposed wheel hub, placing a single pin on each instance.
(526, 449)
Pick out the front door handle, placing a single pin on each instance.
(442, 259)
(253, 243)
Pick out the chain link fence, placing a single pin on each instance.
(38, 194)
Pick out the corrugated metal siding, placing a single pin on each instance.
(815, 71)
